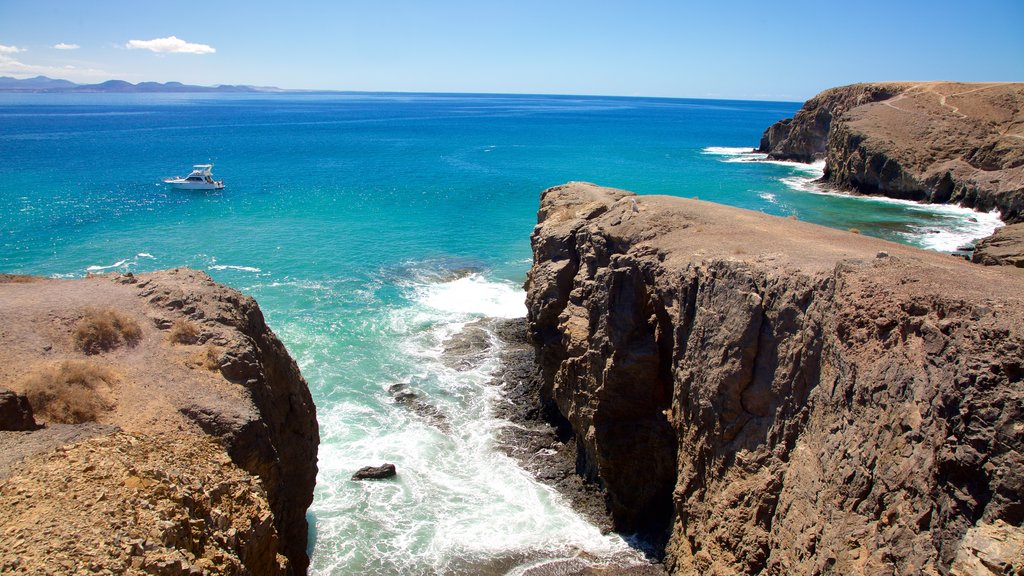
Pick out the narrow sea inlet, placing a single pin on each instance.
(372, 229)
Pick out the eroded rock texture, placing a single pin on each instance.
(198, 450)
(1003, 248)
(941, 142)
(773, 397)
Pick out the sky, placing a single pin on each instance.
(767, 50)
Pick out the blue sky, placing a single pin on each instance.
(718, 49)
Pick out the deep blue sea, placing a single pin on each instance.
(371, 228)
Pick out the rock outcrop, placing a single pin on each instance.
(774, 397)
(15, 412)
(941, 142)
(196, 443)
(803, 137)
(1004, 248)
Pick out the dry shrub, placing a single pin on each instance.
(207, 357)
(105, 329)
(211, 358)
(183, 332)
(70, 392)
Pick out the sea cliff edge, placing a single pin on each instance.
(767, 396)
(938, 142)
(163, 428)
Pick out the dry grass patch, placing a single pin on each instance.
(103, 329)
(183, 332)
(70, 392)
(208, 358)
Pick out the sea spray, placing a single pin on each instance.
(458, 505)
(940, 227)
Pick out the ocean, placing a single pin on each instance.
(373, 227)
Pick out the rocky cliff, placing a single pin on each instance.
(1003, 248)
(930, 141)
(179, 436)
(773, 397)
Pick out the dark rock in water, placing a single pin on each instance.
(405, 397)
(375, 472)
(540, 439)
(468, 348)
(426, 411)
(15, 412)
(432, 414)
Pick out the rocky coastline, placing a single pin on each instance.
(153, 424)
(773, 397)
(936, 142)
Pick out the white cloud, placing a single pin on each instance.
(63, 46)
(170, 45)
(10, 49)
(11, 66)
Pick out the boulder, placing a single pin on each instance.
(375, 472)
(15, 412)
(1004, 248)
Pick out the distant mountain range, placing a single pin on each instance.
(44, 84)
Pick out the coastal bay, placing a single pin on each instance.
(373, 229)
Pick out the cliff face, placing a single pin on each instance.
(803, 137)
(780, 398)
(933, 141)
(193, 426)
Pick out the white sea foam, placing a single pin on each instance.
(125, 264)
(473, 294)
(729, 151)
(98, 267)
(458, 503)
(239, 268)
(959, 226)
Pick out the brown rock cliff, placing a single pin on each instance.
(193, 435)
(773, 397)
(942, 142)
(1004, 248)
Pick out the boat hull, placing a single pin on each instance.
(194, 185)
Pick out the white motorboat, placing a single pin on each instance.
(201, 178)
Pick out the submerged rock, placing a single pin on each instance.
(470, 347)
(375, 472)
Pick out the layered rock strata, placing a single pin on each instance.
(1003, 248)
(776, 397)
(940, 142)
(188, 445)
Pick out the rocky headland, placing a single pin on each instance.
(759, 395)
(151, 424)
(940, 142)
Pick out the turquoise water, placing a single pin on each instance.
(371, 228)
